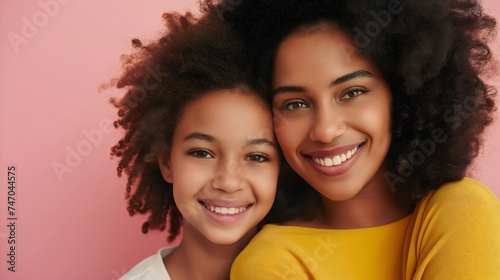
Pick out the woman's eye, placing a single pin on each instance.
(294, 105)
(257, 158)
(353, 93)
(201, 154)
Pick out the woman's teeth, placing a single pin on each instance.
(336, 160)
(224, 210)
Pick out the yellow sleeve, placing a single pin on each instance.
(264, 260)
(459, 235)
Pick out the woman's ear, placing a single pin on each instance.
(164, 163)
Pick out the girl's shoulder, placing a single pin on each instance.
(151, 267)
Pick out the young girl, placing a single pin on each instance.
(379, 107)
(199, 148)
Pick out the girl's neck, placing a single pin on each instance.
(375, 205)
(198, 258)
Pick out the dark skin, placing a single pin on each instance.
(332, 101)
(369, 209)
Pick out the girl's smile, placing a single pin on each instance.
(225, 215)
(225, 207)
(223, 165)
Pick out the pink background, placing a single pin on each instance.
(74, 225)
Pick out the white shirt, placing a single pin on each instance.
(151, 268)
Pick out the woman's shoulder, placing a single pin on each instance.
(461, 194)
(454, 233)
(274, 234)
(271, 255)
(275, 238)
(459, 204)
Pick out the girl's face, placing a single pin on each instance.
(333, 109)
(224, 165)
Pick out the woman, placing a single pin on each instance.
(379, 107)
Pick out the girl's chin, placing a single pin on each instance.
(224, 240)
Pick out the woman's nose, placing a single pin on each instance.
(328, 123)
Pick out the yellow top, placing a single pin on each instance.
(454, 233)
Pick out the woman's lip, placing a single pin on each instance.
(333, 152)
(335, 170)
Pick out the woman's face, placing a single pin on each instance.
(223, 165)
(333, 109)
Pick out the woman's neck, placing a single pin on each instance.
(375, 205)
(198, 258)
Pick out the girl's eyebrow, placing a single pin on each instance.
(200, 136)
(339, 80)
(260, 141)
(208, 138)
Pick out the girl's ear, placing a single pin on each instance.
(164, 163)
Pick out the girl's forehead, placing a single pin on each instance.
(234, 93)
(226, 114)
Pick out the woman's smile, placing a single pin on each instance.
(335, 113)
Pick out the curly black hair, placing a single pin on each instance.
(195, 55)
(432, 54)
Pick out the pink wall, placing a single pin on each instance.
(52, 58)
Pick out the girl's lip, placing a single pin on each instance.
(332, 152)
(225, 218)
(226, 203)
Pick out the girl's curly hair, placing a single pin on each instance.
(431, 52)
(192, 57)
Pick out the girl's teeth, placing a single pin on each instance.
(225, 210)
(336, 160)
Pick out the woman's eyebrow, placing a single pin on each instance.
(200, 136)
(350, 76)
(342, 79)
(286, 89)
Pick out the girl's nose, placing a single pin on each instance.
(228, 178)
(328, 124)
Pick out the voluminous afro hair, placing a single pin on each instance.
(193, 56)
(431, 52)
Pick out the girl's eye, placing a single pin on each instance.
(257, 158)
(294, 105)
(200, 154)
(353, 93)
